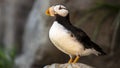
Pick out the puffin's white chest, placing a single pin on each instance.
(63, 40)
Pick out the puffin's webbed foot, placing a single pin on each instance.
(76, 59)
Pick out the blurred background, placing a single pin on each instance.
(24, 27)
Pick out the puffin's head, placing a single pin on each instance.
(57, 9)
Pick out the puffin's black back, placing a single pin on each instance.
(80, 35)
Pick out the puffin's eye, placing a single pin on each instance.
(61, 7)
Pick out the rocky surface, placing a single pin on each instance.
(66, 65)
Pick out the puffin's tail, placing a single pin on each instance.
(101, 53)
(99, 49)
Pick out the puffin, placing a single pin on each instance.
(69, 39)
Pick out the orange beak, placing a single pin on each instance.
(47, 12)
(50, 11)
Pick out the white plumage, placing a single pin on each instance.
(62, 39)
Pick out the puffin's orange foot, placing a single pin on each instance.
(76, 59)
(70, 61)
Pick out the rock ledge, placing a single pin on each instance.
(67, 65)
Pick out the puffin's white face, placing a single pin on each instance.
(58, 9)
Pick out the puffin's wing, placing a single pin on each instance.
(86, 41)
(81, 35)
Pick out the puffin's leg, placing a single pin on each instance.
(76, 59)
(71, 59)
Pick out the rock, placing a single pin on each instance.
(66, 65)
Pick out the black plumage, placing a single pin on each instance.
(79, 34)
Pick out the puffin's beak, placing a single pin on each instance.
(50, 11)
(47, 12)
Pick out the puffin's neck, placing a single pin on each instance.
(65, 21)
